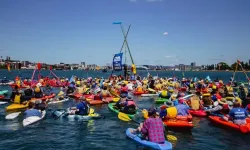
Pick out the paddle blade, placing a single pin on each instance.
(123, 116)
(145, 113)
(12, 115)
(171, 138)
(151, 90)
(91, 111)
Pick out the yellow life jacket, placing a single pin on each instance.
(214, 87)
(139, 89)
(37, 90)
(104, 93)
(78, 82)
(195, 103)
(18, 83)
(191, 85)
(164, 93)
(171, 112)
(17, 99)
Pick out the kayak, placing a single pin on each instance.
(149, 95)
(180, 122)
(59, 101)
(98, 102)
(111, 107)
(139, 93)
(33, 119)
(44, 98)
(3, 92)
(165, 146)
(66, 114)
(220, 121)
(16, 107)
(161, 100)
(198, 113)
(1, 97)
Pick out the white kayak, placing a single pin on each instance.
(33, 119)
(1, 103)
(149, 95)
(12, 115)
(59, 101)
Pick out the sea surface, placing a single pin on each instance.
(108, 133)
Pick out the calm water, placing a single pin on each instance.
(109, 132)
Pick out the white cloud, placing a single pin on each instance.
(165, 33)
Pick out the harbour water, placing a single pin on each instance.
(109, 132)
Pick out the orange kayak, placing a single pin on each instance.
(44, 98)
(180, 122)
(98, 102)
(139, 92)
(198, 113)
(220, 121)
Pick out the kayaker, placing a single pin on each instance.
(31, 112)
(28, 93)
(17, 98)
(120, 104)
(40, 105)
(14, 92)
(124, 89)
(47, 90)
(71, 88)
(38, 92)
(105, 92)
(129, 106)
(98, 95)
(82, 108)
(164, 93)
(195, 103)
(182, 109)
(238, 114)
(242, 95)
(152, 128)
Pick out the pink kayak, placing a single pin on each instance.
(198, 113)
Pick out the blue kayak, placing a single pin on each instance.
(166, 146)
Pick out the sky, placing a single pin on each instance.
(163, 32)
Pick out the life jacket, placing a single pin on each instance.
(171, 112)
(78, 82)
(97, 97)
(130, 103)
(195, 104)
(104, 93)
(214, 87)
(139, 89)
(191, 85)
(37, 90)
(17, 99)
(164, 93)
(124, 89)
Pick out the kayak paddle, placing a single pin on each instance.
(12, 115)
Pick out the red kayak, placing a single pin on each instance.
(1, 97)
(44, 98)
(220, 121)
(198, 113)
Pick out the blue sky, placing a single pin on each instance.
(71, 31)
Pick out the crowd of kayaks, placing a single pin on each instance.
(146, 87)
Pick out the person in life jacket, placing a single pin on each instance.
(17, 98)
(71, 88)
(139, 88)
(195, 103)
(129, 106)
(120, 104)
(182, 109)
(124, 89)
(47, 90)
(14, 92)
(191, 86)
(98, 95)
(105, 92)
(168, 112)
(28, 93)
(38, 92)
(164, 93)
(238, 114)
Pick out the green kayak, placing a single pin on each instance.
(111, 107)
(3, 92)
(161, 100)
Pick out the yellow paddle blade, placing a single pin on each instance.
(123, 117)
(145, 113)
(171, 138)
(115, 99)
(91, 111)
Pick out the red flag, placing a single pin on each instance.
(39, 66)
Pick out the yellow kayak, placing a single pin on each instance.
(16, 107)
